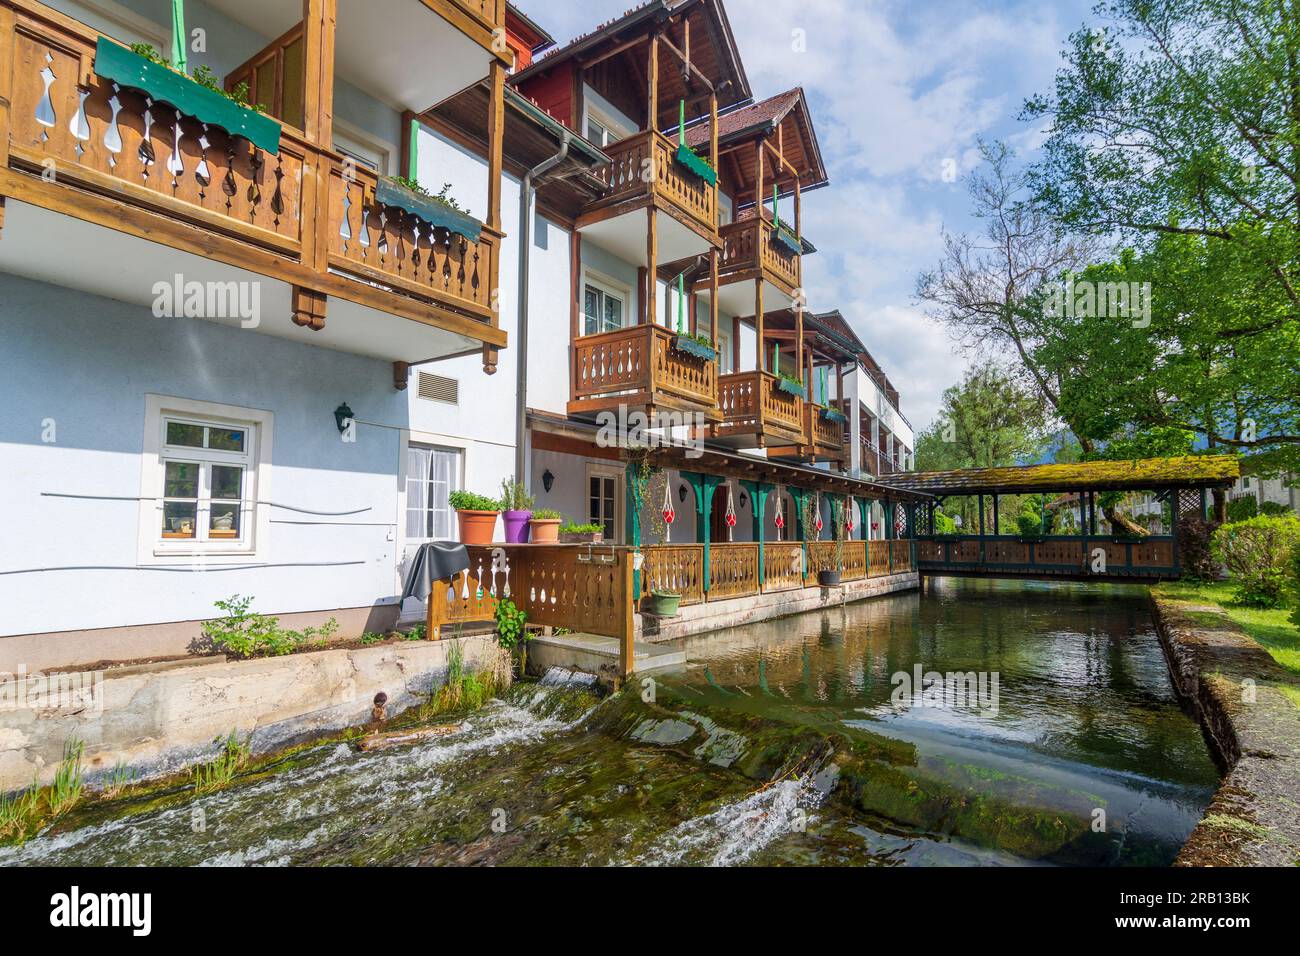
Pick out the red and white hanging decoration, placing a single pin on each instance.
(730, 516)
(817, 510)
(669, 514)
(848, 516)
(780, 515)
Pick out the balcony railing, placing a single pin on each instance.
(642, 166)
(1055, 554)
(639, 365)
(751, 403)
(749, 248)
(823, 435)
(82, 145)
(391, 246)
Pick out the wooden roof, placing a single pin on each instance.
(784, 118)
(1147, 474)
(614, 58)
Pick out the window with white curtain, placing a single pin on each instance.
(432, 474)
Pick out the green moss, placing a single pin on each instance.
(1272, 628)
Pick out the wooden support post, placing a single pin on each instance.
(652, 84)
(713, 154)
(318, 118)
(758, 325)
(651, 292)
(496, 140)
(7, 54)
(715, 261)
(996, 506)
(627, 616)
(401, 371)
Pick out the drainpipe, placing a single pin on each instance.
(527, 189)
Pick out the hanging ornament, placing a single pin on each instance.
(669, 514)
(730, 516)
(780, 517)
(848, 519)
(817, 522)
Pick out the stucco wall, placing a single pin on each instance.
(82, 365)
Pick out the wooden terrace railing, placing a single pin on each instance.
(752, 404)
(639, 362)
(643, 166)
(1153, 557)
(749, 250)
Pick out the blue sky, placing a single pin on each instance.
(896, 88)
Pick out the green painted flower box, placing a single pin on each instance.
(390, 192)
(694, 347)
(696, 164)
(833, 415)
(129, 69)
(788, 240)
(791, 387)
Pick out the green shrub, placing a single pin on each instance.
(462, 500)
(943, 524)
(221, 769)
(245, 634)
(1194, 549)
(1029, 525)
(571, 528)
(510, 624)
(1258, 555)
(1240, 509)
(547, 514)
(1275, 509)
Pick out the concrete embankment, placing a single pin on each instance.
(1249, 707)
(155, 721)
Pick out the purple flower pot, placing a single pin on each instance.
(516, 523)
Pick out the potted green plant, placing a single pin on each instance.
(544, 526)
(571, 533)
(517, 510)
(477, 515)
(664, 603)
(831, 576)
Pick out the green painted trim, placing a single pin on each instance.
(413, 151)
(758, 492)
(689, 346)
(632, 519)
(704, 486)
(696, 164)
(180, 37)
(127, 68)
(800, 495)
(390, 192)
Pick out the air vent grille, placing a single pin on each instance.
(439, 388)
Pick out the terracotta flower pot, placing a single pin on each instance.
(516, 523)
(477, 527)
(581, 537)
(545, 530)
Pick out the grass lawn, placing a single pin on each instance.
(1273, 629)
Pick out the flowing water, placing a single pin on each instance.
(792, 742)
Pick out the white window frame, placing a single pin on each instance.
(406, 479)
(411, 437)
(604, 471)
(725, 352)
(607, 287)
(152, 548)
(363, 145)
(616, 129)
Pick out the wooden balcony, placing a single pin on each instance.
(638, 367)
(642, 172)
(78, 144)
(756, 413)
(750, 251)
(824, 438)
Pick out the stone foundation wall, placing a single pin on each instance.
(717, 615)
(158, 720)
(1240, 695)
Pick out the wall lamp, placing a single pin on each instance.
(342, 417)
(548, 479)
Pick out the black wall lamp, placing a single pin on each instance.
(681, 494)
(548, 479)
(342, 416)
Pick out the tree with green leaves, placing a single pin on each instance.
(1177, 128)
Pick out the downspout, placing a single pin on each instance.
(527, 188)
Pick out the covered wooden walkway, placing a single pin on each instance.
(1181, 484)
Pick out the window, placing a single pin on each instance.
(725, 354)
(275, 77)
(365, 150)
(205, 468)
(602, 501)
(432, 474)
(602, 128)
(603, 309)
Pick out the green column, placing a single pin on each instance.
(864, 512)
(758, 492)
(704, 487)
(632, 518)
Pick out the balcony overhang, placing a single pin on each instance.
(623, 232)
(63, 250)
(378, 42)
(738, 297)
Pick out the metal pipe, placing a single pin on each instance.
(527, 188)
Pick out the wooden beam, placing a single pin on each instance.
(308, 307)
(496, 141)
(401, 372)
(651, 289)
(652, 85)
(758, 325)
(715, 260)
(626, 45)
(688, 68)
(318, 117)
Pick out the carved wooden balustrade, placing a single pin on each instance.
(752, 403)
(825, 436)
(643, 166)
(821, 557)
(750, 249)
(78, 129)
(877, 558)
(678, 569)
(782, 565)
(389, 245)
(638, 365)
(733, 570)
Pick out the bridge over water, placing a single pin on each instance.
(1180, 485)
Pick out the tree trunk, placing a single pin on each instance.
(1119, 522)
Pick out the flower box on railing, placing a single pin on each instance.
(390, 192)
(694, 348)
(696, 164)
(162, 84)
(791, 387)
(787, 240)
(834, 415)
